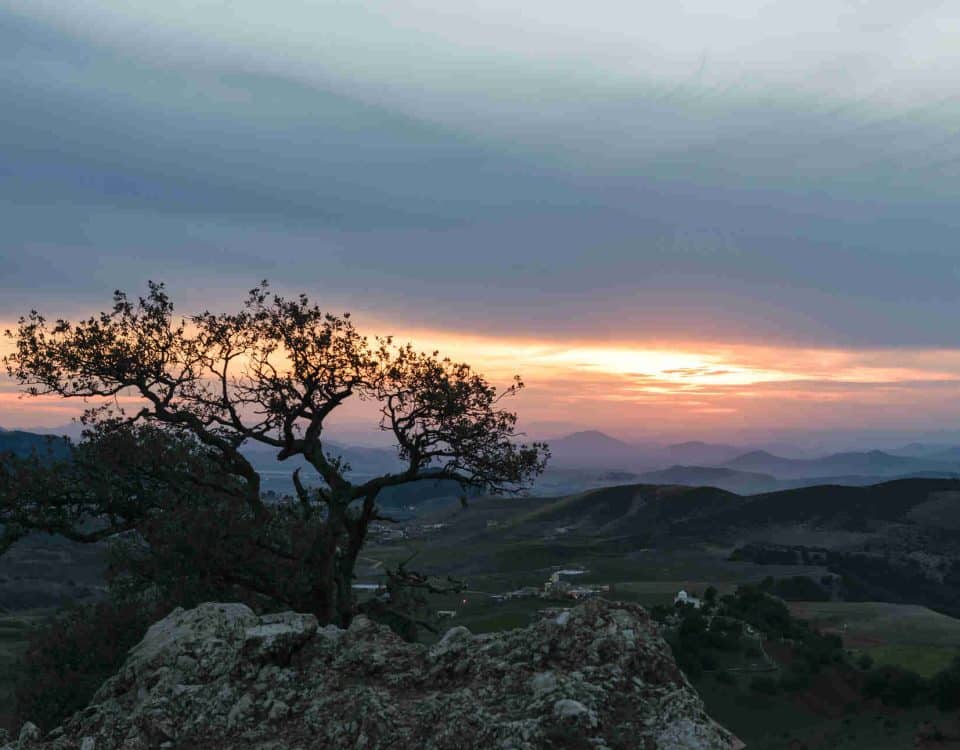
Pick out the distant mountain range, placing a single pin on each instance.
(753, 483)
(589, 459)
(731, 480)
(597, 450)
(736, 466)
(21, 443)
(870, 463)
(591, 449)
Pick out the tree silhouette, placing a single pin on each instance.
(205, 385)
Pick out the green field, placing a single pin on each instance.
(926, 661)
(897, 624)
(902, 635)
(501, 545)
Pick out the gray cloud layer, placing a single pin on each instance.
(559, 194)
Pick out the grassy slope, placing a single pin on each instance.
(904, 635)
(613, 525)
(781, 723)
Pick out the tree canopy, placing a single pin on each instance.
(177, 398)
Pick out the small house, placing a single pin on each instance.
(683, 597)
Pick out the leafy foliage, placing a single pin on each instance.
(168, 475)
(945, 687)
(700, 637)
(895, 687)
(68, 659)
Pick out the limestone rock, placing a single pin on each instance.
(29, 734)
(219, 676)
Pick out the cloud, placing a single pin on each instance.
(638, 171)
(429, 45)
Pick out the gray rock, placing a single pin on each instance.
(29, 735)
(219, 676)
(543, 683)
(278, 636)
(569, 709)
(455, 638)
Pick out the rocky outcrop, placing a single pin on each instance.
(218, 676)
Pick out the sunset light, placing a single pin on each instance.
(471, 374)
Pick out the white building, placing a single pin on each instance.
(683, 597)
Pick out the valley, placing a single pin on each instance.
(877, 567)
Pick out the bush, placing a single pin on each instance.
(797, 677)
(68, 659)
(765, 684)
(945, 687)
(660, 612)
(725, 634)
(725, 677)
(895, 687)
(708, 662)
(764, 612)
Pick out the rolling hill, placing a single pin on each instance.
(594, 450)
(732, 480)
(870, 463)
(754, 483)
(710, 513)
(21, 443)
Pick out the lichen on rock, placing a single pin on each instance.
(219, 676)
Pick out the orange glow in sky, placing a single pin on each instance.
(676, 389)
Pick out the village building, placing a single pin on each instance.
(683, 597)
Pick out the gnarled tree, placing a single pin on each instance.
(272, 374)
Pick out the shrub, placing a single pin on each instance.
(725, 677)
(797, 678)
(766, 613)
(895, 687)
(765, 684)
(68, 659)
(945, 687)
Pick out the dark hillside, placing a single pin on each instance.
(870, 463)
(630, 510)
(23, 444)
(838, 507)
(732, 480)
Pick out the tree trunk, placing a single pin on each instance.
(334, 560)
(347, 560)
(322, 565)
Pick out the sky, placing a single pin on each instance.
(683, 220)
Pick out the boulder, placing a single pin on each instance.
(219, 676)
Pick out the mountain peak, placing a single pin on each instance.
(589, 436)
(592, 448)
(759, 454)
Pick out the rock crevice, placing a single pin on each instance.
(219, 676)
